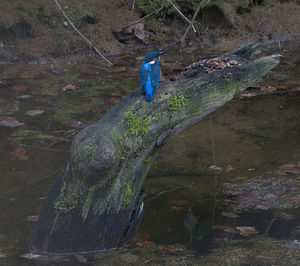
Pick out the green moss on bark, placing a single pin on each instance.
(137, 125)
(177, 102)
(88, 201)
(128, 194)
(69, 196)
(91, 150)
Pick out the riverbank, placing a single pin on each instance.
(36, 29)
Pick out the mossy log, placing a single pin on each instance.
(96, 202)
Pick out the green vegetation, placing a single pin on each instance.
(86, 16)
(208, 3)
(148, 159)
(69, 195)
(137, 125)
(176, 102)
(186, 6)
(91, 150)
(245, 3)
(149, 6)
(88, 202)
(10, 24)
(128, 194)
(227, 76)
(64, 45)
(122, 145)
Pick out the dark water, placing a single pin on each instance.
(185, 199)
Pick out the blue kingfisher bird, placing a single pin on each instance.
(150, 73)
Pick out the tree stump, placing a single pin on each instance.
(96, 202)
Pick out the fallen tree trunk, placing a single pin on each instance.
(96, 202)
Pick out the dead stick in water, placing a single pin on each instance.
(81, 35)
(269, 226)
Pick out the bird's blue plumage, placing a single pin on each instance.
(150, 74)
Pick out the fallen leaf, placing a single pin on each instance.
(175, 249)
(225, 228)
(214, 60)
(113, 100)
(9, 121)
(249, 93)
(145, 244)
(233, 62)
(19, 154)
(69, 87)
(141, 237)
(221, 168)
(246, 230)
(268, 89)
(19, 87)
(139, 31)
(35, 112)
(290, 168)
(221, 65)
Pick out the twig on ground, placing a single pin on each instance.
(191, 23)
(81, 35)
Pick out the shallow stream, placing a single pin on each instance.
(246, 138)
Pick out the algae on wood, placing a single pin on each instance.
(96, 203)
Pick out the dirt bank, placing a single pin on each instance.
(37, 28)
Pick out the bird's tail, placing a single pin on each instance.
(149, 89)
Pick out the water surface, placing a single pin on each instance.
(251, 137)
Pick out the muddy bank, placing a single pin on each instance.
(37, 29)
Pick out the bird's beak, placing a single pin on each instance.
(160, 53)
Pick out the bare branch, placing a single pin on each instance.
(191, 23)
(94, 47)
(143, 18)
(193, 20)
(132, 7)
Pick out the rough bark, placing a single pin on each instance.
(96, 202)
